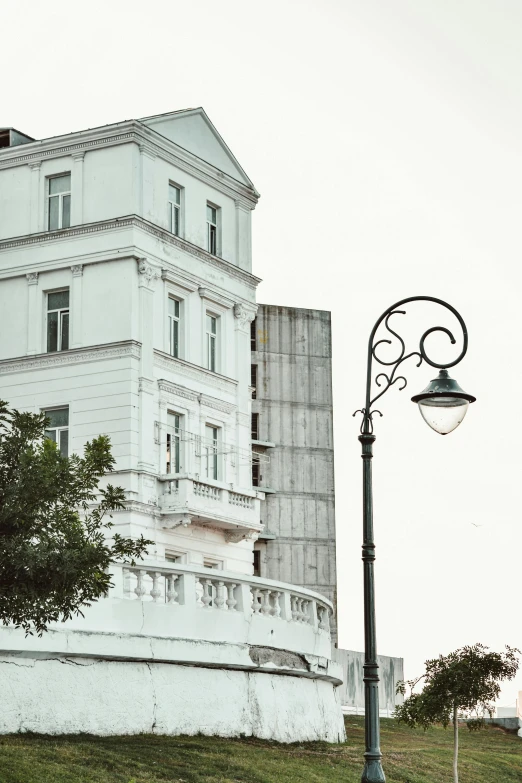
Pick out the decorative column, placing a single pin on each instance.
(243, 316)
(34, 210)
(147, 276)
(76, 306)
(243, 236)
(77, 188)
(32, 313)
(148, 160)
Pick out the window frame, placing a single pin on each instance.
(213, 230)
(59, 429)
(174, 444)
(173, 206)
(212, 342)
(211, 452)
(253, 380)
(60, 197)
(62, 311)
(171, 321)
(254, 426)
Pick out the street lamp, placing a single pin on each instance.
(443, 405)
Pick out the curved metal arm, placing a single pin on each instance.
(389, 379)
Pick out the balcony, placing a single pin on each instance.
(186, 499)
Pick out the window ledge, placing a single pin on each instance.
(266, 444)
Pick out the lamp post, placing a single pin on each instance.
(443, 405)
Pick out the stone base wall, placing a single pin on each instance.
(66, 695)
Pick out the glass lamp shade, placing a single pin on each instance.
(443, 404)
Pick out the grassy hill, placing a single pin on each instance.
(489, 756)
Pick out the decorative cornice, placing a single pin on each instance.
(187, 370)
(180, 280)
(77, 270)
(176, 390)
(131, 131)
(218, 405)
(212, 296)
(32, 278)
(75, 356)
(133, 221)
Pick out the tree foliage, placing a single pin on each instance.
(468, 679)
(466, 682)
(55, 553)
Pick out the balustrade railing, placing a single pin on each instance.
(207, 491)
(243, 501)
(208, 590)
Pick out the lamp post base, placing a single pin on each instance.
(373, 772)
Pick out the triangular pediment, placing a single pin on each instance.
(192, 130)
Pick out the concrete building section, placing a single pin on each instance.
(292, 370)
(391, 670)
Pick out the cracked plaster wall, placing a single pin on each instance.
(60, 695)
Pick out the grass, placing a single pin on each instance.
(488, 756)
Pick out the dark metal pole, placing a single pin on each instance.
(373, 771)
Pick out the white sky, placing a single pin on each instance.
(384, 138)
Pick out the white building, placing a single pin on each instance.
(126, 297)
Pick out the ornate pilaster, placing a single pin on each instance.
(77, 306)
(32, 317)
(34, 219)
(147, 276)
(77, 188)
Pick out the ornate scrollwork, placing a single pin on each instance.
(385, 380)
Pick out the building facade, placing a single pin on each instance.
(126, 301)
(292, 422)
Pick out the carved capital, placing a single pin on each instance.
(235, 536)
(148, 273)
(243, 315)
(172, 521)
(35, 165)
(32, 278)
(78, 155)
(77, 270)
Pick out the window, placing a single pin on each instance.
(60, 202)
(211, 342)
(253, 333)
(256, 474)
(212, 229)
(175, 557)
(173, 443)
(174, 325)
(58, 428)
(210, 562)
(174, 209)
(255, 426)
(253, 380)
(257, 562)
(210, 452)
(58, 321)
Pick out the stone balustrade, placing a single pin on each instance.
(214, 501)
(206, 589)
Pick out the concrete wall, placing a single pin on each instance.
(294, 402)
(60, 695)
(352, 690)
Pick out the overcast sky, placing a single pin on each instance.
(384, 138)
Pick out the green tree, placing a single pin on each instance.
(55, 553)
(466, 681)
